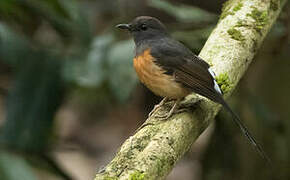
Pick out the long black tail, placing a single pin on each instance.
(246, 133)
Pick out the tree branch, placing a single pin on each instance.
(154, 150)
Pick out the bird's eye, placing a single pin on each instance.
(143, 27)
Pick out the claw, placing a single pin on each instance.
(157, 106)
(171, 112)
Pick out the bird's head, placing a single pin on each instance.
(145, 28)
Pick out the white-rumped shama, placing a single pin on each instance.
(171, 70)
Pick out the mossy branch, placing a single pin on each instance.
(154, 150)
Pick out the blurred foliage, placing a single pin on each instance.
(49, 45)
(184, 13)
(51, 49)
(32, 103)
(12, 167)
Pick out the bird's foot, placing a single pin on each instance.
(171, 112)
(157, 106)
(179, 107)
(167, 116)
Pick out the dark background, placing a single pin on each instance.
(69, 95)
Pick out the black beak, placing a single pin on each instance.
(124, 26)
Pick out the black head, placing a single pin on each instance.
(145, 28)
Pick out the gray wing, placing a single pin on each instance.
(187, 68)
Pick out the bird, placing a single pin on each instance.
(171, 70)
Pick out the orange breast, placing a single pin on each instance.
(154, 78)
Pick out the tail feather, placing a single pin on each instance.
(246, 132)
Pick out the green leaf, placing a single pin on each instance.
(32, 102)
(13, 167)
(13, 47)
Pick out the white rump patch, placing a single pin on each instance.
(216, 86)
(211, 72)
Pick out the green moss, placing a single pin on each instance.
(242, 23)
(137, 176)
(224, 82)
(142, 142)
(260, 17)
(162, 164)
(226, 9)
(236, 34)
(225, 14)
(109, 178)
(274, 5)
(238, 7)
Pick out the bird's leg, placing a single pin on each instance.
(152, 112)
(172, 110)
(157, 106)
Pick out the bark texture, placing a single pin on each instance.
(153, 150)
